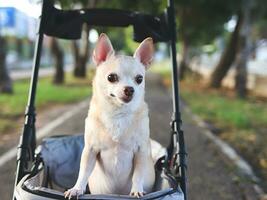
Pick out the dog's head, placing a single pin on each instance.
(120, 79)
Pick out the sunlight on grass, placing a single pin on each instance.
(230, 112)
(163, 68)
(13, 106)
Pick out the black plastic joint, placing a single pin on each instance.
(182, 166)
(29, 110)
(29, 116)
(23, 153)
(182, 153)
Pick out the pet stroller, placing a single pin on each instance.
(45, 172)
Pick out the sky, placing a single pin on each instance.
(33, 9)
(26, 6)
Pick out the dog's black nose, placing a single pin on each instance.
(128, 91)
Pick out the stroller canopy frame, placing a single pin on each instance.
(67, 24)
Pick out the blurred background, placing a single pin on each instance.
(222, 56)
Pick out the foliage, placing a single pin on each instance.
(200, 21)
(259, 19)
(68, 4)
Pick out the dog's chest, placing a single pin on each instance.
(117, 159)
(116, 127)
(117, 155)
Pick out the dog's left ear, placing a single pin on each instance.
(144, 53)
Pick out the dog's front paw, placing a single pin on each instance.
(73, 193)
(137, 192)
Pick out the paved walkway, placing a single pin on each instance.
(43, 72)
(210, 176)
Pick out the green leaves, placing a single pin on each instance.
(200, 21)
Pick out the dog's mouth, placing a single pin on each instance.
(124, 99)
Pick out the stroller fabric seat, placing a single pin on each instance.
(60, 167)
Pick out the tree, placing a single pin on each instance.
(19, 46)
(57, 52)
(5, 80)
(240, 47)
(80, 47)
(185, 38)
(244, 51)
(81, 53)
(58, 55)
(228, 56)
(199, 22)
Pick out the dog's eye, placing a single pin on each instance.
(113, 78)
(138, 79)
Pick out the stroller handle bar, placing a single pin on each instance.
(67, 24)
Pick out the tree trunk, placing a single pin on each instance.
(81, 54)
(244, 52)
(5, 80)
(183, 66)
(19, 47)
(59, 61)
(241, 70)
(228, 56)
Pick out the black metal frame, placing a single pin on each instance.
(68, 25)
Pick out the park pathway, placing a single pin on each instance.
(43, 72)
(210, 175)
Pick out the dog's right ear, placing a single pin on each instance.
(103, 49)
(144, 53)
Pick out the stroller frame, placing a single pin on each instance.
(161, 28)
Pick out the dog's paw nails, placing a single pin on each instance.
(73, 193)
(137, 194)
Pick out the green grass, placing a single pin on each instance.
(242, 123)
(13, 106)
(163, 68)
(230, 112)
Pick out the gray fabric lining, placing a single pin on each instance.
(61, 156)
(32, 184)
